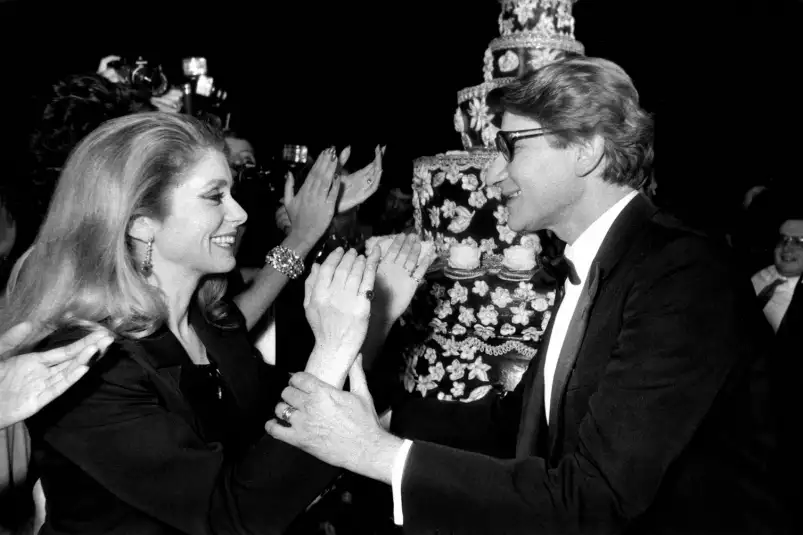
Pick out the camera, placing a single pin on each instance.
(142, 75)
(200, 91)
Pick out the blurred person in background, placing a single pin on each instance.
(71, 109)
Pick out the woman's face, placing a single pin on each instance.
(197, 236)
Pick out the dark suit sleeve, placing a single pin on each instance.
(112, 426)
(678, 342)
(488, 425)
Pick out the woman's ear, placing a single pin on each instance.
(142, 229)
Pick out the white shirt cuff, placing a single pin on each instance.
(396, 481)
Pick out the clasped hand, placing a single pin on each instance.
(340, 428)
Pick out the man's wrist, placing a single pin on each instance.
(378, 457)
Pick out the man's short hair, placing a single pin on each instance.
(580, 97)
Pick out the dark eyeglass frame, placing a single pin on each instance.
(785, 239)
(506, 139)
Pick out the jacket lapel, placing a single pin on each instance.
(570, 349)
(236, 359)
(162, 355)
(630, 223)
(532, 420)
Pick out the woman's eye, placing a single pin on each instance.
(215, 197)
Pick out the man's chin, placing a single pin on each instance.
(520, 226)
(790, 270)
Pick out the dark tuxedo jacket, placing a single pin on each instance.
(123, 452)
(786, 363)
(660, 413)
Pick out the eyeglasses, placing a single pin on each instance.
(506, 139)
(786, 240)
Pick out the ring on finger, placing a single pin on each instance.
(369, 294)
(285, 416)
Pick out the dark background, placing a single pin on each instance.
(722, 78)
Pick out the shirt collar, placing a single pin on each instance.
(774, 274)
(584, 249)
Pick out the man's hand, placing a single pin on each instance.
(339, 428)
(109, 72)
(170, 102)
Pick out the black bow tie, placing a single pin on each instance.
(561, 268)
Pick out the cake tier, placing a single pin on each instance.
(471, 331)
(470, 337)
(518, 55)
(547, 19)
(533, 33)
(477, 120)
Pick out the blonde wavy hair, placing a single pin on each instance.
(82, 270)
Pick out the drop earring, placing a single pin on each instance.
(147, 264)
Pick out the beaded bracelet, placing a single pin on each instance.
(285, 261)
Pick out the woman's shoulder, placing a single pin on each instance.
(114, 389)
(112, 374)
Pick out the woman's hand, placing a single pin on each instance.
(30, 381)
(400, 271)
(311, 210)
(338, 308)
(282, 219)
(360, 185)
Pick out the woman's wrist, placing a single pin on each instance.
(299, 244)
(330, 365)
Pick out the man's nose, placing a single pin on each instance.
(496, 172)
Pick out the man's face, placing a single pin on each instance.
(241, 153)
(539, 185)
(789, 249)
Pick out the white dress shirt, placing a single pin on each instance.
(581, 253)
(775, 309)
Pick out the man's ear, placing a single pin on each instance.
(589, 154)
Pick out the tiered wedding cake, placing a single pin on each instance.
(479, 319)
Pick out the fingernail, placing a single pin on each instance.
(94, 358)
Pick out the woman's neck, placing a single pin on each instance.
(178, 289)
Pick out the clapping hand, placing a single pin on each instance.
(311, 210)
(337, 303)
(30, 381)
(360, 185)
(400, 271)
